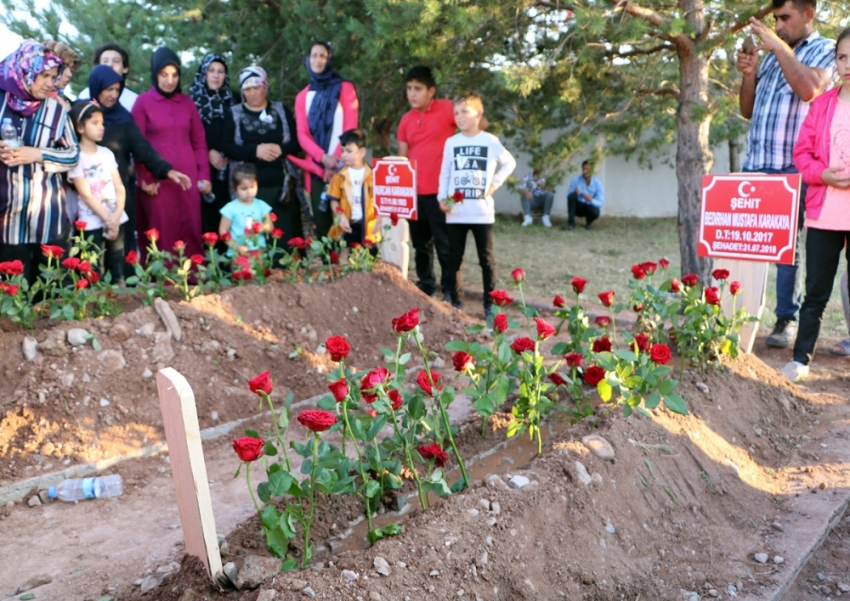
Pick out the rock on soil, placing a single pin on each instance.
(256, 570)
(599, 447)
(169, 319)
(518, 482)
(30, 348)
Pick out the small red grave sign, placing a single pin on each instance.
(749, 216)
(394, 180)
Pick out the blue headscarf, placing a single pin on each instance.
(326, 86)
(103, 76)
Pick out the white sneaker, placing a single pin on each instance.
(795, 371)
(527, 220)
(546, 221)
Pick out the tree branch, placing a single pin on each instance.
(671, 90)
(271, 4)
(739, 25)
(555, 5)
(640, 51)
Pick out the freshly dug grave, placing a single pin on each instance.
(74, 405)
(679, 513)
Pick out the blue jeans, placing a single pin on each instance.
(789, 285)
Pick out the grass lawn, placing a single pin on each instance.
(604, 256)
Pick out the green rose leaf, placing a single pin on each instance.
(676, 404)
(280, 482)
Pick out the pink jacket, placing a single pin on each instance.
(811, 153)
(350, 108)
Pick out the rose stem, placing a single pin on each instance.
(312, 500)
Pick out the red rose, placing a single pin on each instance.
(273, 217)
(638, 272)
(70, 263)
(500, 298)
(406, 322)
(573, 359)
(607, 298)
(649, 267)
(256, 227)
(518, 274)
(500, 323)
(179, 245)
(84, 266)
(249, 449)
(458, 196)
(10, 289)
(675, 286)
(522, 344)
(297, 242)
(642, 341)
(52, 251)
(132, 258)
(81, 284)
(243, 261)
(425, 383)
(261, 383)
(338, 347)
(354, 245)
(544, 330)
(334, 256)
(152, 234)
(462, 361)
(309, 241)
(242, 275)
(371, 382)
(593, 375)
(690, 280)
(277, 233)
(372, 412)
(396, 399)
(433, 451)
(15, 267)
(317, 420)
(712, 295)
(93, 277)
(660, 353)
(578, 285)
(734, 287)
(637, 307)
(720, 274)
(557, 379)
(603, 321)
(339, 389)
(394, 219)
(671, 334)
(664, 262)
(602, 345)
(80, 225)
(197, 259)
(210, 238)
(559, 301)
(225, 237)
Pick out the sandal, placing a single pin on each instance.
(841, 348)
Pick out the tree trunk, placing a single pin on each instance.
(693, 154)
(734, 156)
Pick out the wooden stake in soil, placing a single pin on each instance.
(394, 246)
(182, 432)
(753, 278)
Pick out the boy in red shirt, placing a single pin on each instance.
(422, 134)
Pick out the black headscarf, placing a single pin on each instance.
(103, 76)
(327, 86)
(212, 104)
(161, 58)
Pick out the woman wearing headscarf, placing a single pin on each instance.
(263, 133)
(171, 123)
(211, 92)
(323, 110)
(72, 62)
(122, 136)
(33, 207)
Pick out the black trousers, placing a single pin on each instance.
(428, 233)
(580, 209)
(483, 235)
(823, 253)
(113, 256)
(288, 214)
(324, 219)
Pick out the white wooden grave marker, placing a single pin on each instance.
(183, 434)
(753, 278)
(394, 247)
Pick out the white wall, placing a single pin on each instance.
(630, 191)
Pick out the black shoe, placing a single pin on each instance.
(447, 297)
(783, 333)
(589, 226)
(569, 227)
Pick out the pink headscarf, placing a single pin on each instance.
(18, 72)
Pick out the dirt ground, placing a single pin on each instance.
(683, 507)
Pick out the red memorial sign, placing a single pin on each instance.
(749, 216)
(394, 182)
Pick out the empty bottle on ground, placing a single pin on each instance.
(79, 489)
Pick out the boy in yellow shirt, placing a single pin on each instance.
(351, 194)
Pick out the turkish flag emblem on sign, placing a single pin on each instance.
(749, 216)
(394, 181)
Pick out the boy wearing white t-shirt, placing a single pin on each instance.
(97, 199)
(351, 194)
(475, 165)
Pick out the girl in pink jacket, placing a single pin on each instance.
(822, 156)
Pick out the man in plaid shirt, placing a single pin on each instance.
(775, 96)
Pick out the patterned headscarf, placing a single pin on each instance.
(18, 72)
(253, 76)
(212, 104)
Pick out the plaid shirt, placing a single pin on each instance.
(778, 112)
(529, 183)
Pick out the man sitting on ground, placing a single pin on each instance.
(585, 197)
(534, 197)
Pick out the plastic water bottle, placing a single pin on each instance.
(222, 175)
(324, 201)
(209, 197)
(8, 133)
(79, 489)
